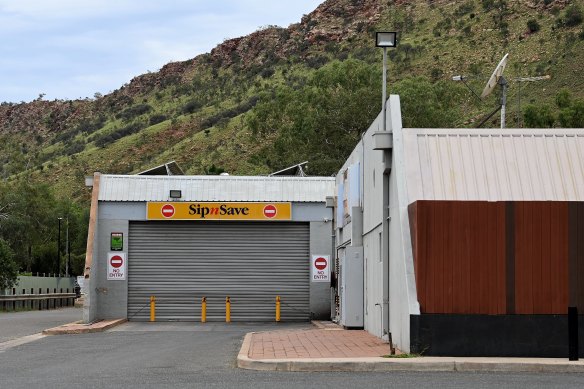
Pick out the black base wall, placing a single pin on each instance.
(493, 335)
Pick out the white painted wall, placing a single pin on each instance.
(403, 298)
(401, 278)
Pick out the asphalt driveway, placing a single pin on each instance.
(193, 355)
(18, 324)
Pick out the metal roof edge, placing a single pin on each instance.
(225, 178)
(498, 131)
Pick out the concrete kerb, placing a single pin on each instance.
(80, 328)
(379, 364)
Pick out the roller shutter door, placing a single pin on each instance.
(252, 263)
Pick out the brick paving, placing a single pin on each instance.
(80, 328)
(316, 343)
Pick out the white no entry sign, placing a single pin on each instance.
(116, 266)
(270, 211)
(167, 210)
(320, 268)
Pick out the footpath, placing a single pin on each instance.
(330, 348)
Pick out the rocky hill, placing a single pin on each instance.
(279, 96)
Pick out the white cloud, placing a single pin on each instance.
(73, 48)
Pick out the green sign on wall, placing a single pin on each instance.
(117, 241)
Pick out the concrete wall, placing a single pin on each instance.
(389, 280)
(367, 229)
(402, 284)
(109, 299)
(321, 244)
(112, 296)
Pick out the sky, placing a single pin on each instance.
(70, 49)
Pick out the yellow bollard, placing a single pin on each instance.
(227, 310)
(277, 309)
(204, 310)
(152, 308)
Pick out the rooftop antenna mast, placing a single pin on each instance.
(525, 79)
(498, 79)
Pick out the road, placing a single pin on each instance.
(17, 324)
(192, 355)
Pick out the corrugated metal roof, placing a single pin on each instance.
(494, 164)
(216, 188)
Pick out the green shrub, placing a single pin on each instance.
(8, 267)
(105, 139)
(191, 106)
(464, 9)
(573, 115)
(214, 170)
(573, 16)
(538, 116)
(533, 25)
(158, 118)
(133, 112)
(563, 98)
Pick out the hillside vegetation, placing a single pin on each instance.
(280, 96)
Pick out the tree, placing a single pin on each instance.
(322, 119)
(563, 98)
(8, 267)
(28, 224)
(427, 105)
(319, 119)
(539, 116)
(573, 115)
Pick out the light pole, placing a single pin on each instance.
(67, 249)
(385, 39)
(59, 248)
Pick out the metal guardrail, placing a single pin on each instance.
(36, 301)
(31, 297)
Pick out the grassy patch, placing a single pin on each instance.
(404, 355)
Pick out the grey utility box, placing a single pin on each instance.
(351, 286)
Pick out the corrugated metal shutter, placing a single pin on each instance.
(252, 263)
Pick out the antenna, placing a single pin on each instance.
(498, 79)
(463, 79)
(521, 80)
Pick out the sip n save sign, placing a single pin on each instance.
(218, 211)
(116, 266)
(320, 268)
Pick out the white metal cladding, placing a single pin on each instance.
(252, 263)
(216, 188)
(494, 165)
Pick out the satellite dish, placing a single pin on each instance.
(494, 80)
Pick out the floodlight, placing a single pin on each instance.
(385, 39)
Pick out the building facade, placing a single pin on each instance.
(470, 239)
(185, 238)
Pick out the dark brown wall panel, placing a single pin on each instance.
(576, 255)
(474, 257)
(459, 253)
(541, 257)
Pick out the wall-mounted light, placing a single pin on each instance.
(175, 194)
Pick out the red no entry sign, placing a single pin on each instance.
(270, 211)
(116, 261)
(320, 263)
(167, 210)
